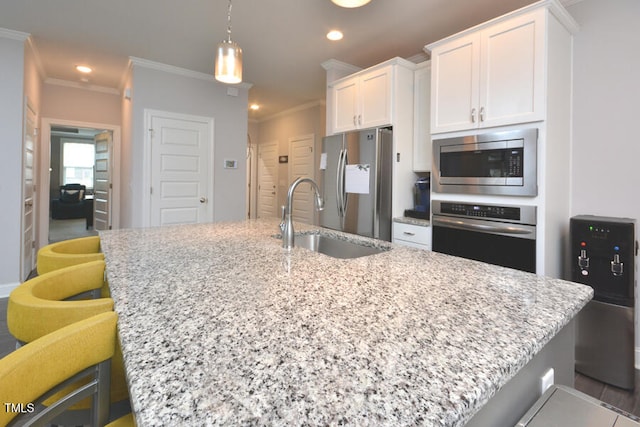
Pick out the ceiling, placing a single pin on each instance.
(283, 41)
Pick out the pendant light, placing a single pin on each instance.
(229, 57)
(351, 3)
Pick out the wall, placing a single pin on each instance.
(69, 102)
(606, 94)
(126, 164)
(11, 113)
(297, 122)
(606, 150)
(164, 88)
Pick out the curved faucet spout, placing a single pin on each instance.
(287, 222)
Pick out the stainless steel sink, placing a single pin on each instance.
(335, 247)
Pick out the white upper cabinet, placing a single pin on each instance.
(362, 101)
(494, 76)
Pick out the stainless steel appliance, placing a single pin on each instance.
(501, 163)
(603, 252)
(500, 235)
(356, 171)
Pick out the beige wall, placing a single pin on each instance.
(282, 127)
(81, 105)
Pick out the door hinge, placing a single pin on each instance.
(152, 132)
(150, 190)
(33, 244)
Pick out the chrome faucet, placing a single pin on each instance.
(286, 225)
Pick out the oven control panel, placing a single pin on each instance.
(483, 211)
(503, 213)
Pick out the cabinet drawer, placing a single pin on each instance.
(410, 233)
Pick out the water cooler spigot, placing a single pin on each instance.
(617, 267)
(583, 262)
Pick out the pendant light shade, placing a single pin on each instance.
(351, 3)
(229, 62)
(228, 57)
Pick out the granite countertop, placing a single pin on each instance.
(221, 326)
(412, 221)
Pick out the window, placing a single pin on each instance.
(77, 163)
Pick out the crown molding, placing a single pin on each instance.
(13, 35)
(145, 63)
(335, 65)
(567, 3)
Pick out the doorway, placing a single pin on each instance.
(69, 157)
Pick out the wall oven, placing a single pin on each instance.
(500, 235)
(500, 163)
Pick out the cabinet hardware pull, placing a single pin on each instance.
(409, 233)
(473, 115)
(482, 114)
(355, 123)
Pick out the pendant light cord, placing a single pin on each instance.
(229, 23)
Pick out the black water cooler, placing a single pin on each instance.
(603, 251)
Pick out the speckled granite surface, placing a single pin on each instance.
(221, 326)
(412, 221)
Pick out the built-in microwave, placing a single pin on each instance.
(501, 163)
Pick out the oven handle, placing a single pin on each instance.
(521, 232)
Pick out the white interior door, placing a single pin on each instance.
(28, 186)
(301, 164)
(181, 169)
(102, 184)
(267, 179)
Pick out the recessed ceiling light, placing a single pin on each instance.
(255, 107)
(334, 35)
(83, 69)
(351, 3)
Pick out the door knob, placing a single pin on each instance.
(203, 200)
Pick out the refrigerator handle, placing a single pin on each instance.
(339, 186)
(343, 193)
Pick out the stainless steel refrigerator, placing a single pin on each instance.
(355, 175)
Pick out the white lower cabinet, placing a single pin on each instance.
(417, 236)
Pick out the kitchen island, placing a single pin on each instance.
(219, 325)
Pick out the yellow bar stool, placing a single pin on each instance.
(67, 253)
(40, 306)
(37, 371)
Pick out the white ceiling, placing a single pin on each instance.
(283, 41)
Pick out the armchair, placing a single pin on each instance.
(72, 204)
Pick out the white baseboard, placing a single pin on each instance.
(6, 288)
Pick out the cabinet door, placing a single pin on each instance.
(454, 85)
(512, 71)
(375, 98)
(344, 113)
(421, 120)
